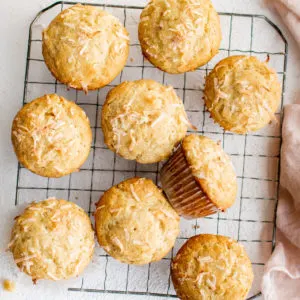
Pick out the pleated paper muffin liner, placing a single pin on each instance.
(183, 190)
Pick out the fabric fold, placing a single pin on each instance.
(289, 11)
(281, 278)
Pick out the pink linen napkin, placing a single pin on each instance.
(281, 279)
(289, 11)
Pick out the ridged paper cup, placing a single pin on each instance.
(182, 188)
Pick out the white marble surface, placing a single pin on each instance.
(15, 18)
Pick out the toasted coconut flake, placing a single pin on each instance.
(268, 109)
(200, 277)
(66, 206)
(70, 25)
(30, 220)
(12, 241)
(220, 268)
(187, 122)
(35, 208)
(118, 243)
(133, 140)
(198, 13)
(23, 128)
(135, 196)
(136, 242)
(204, 259)
(100, 207)
(127, 235)
(58, 169)
(52, 276)
(21, 259)
(223, 95)
(122, 35)
(168, 214)
(27, 265)
(212, 283)
(83, 49)
(158, 119)
(129, 103)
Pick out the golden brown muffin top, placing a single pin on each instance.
(212, 168)
(135, 223)
(242, 93)
(179, 35)
(212, 267)
(143, 120)
(52, 239)
(51, 136)
(85, 47)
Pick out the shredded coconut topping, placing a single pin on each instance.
(158, 119)
(118, 243)
(21, 259)
(135, 196)
(212, 283)
(200, 277)
(205, 259)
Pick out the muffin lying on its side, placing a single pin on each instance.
(178, 36)
(242, 94)
(143, 120)
(135, 223)
(85, 47)
(212, 267)
(51, 136)
(52, 239)
(199, 178)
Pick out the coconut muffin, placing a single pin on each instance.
(242, 94)
(143, 120)
(212, 267)
(85, 47)
(51, 136)
(178, 36)
(135, 224)
(52, 239)
(199, 179)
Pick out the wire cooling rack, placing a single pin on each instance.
(256, 156)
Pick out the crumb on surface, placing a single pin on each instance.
(131, 59)
(196, 226)
(9, 285)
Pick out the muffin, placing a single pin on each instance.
(242, 94)
(178, 36)
(85, 47)
(143, 120)
(212, 267)
(51, 136)
(135, 224)
(199, 178)
(52, 239)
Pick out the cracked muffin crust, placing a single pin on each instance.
(178, 36)
(52, 239)
(143, 120)
(134, 222)
(242, 94)
(51, 136)
(211, 267)
(85, 47)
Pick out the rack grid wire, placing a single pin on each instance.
(256, 156)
